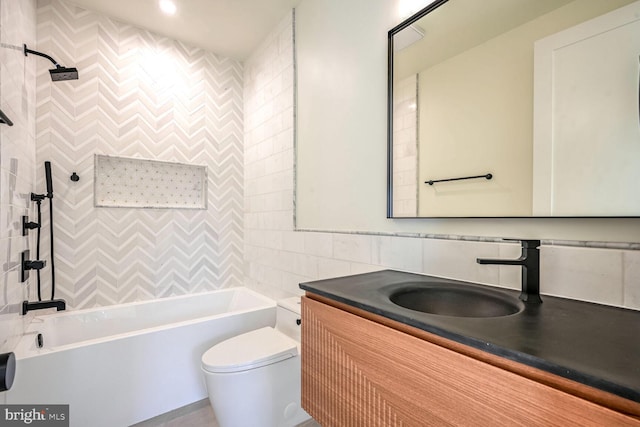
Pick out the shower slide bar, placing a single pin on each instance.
(433, 181)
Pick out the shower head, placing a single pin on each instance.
(57, 74)
(62, 73)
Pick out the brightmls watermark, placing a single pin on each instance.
(34, 415)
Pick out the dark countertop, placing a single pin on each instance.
(592, 344)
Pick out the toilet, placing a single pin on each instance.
(253, 379)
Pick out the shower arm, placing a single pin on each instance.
(44, 55)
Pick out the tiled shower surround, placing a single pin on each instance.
(139, 95)
(405, 148)
(123, 105)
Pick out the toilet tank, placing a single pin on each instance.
(288, 317)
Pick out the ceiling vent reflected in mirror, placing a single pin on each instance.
(409, 36)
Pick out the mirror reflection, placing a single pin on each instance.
(540, 96)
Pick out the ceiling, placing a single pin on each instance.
(231, 28)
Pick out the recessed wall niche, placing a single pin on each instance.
(124, 182)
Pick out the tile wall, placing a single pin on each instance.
(17, 160)
(277, 258)
(145, 96)
(405, 147)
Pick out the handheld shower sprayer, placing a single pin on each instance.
(57, 74)
(47, 175)
(32, 265)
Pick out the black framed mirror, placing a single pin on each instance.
(516, 109)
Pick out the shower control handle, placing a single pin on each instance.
(28, 225)
(37, 197)
(34, 265)
(28, 264)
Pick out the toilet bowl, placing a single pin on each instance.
(253, 379)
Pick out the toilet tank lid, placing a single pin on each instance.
(291, 304)
(250, 350)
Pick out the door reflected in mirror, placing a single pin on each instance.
(541, 94)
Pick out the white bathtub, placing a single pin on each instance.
(116, 366)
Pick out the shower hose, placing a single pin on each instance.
(49, 195)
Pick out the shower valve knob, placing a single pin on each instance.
(28, 265)
(34, 265)
(28, 225)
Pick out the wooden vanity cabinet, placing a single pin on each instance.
(365, 370)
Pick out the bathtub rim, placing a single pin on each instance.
(72, 312)
(26, 347)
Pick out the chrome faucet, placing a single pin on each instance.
(530, 262)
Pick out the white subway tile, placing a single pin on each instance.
(457, 260)
(509, 276)
(587, 274)
(352, 247)
(291, 281)
(405, 192)
(251, 253)
(285, 200)
(360, 268)
(294, 241)
(287, 118)
(270, 257)
(329, 268)
(304, 265)
(320, 244)
(401, 253)
(631, 263)
(251, 220)
(274, 239)
(283, 140)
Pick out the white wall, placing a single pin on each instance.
(341, 169)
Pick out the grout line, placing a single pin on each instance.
(546, 242)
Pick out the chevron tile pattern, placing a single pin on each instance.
(145, 96)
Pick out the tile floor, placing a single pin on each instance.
(198, 414)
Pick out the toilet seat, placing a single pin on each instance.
(250, 350)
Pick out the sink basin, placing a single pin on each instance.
(453, 300)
